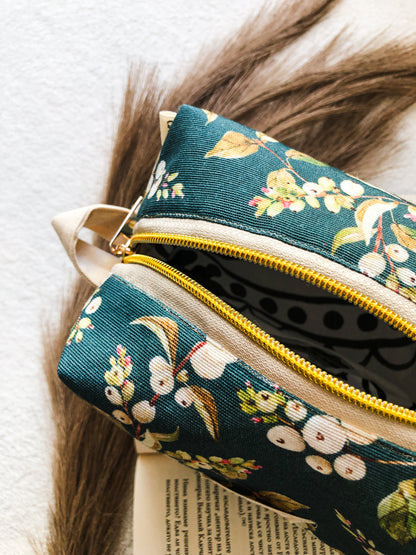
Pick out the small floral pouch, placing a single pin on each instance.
(260, 328)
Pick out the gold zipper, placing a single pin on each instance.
(270, 344)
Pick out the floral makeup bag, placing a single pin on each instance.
(259, 326)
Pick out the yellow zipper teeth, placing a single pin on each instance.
(280, 264)
(273, 346)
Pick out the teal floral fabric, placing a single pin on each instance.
(214, 169)
(172, 387)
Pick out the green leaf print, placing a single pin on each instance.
(345, 236)
(397, 513)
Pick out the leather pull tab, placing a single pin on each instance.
(92, 263)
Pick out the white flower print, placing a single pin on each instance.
(161, 380)
(121, 417)
(143, 412)
(210, 360)
(324, 434)
(286, 438)
(319, 464)
(350, 467)
(295, 410)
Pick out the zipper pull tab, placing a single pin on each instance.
(120, 243)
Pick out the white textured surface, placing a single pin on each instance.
(63, 68)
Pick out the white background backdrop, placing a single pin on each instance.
(63, 66)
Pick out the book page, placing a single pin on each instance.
(179, 511)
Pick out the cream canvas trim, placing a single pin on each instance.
(198, 314)
(91, 262)
(218, 232)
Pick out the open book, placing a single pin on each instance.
(179, 511)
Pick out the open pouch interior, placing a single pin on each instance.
(343, 339)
